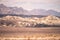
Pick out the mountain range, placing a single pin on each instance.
(20, 11)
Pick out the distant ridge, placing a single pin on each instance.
(20, 11)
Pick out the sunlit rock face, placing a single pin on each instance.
(51, 20)
(28, 22)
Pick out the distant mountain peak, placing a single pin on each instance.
(2, 5)
(15, 10)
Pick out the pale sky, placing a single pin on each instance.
(33, 4)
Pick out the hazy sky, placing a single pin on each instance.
(33, 4)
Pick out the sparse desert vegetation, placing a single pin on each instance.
(30, 34)
(12, 33)
(17, 21)
(24, 20)
(19, 28)
(34, 37)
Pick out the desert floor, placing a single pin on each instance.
(16, 33)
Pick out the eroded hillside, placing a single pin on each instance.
(16, 21)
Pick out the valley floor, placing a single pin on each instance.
(16, 33)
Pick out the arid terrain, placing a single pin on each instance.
(29, 19)
(19, 28)
(17, 21)
(48, 33)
